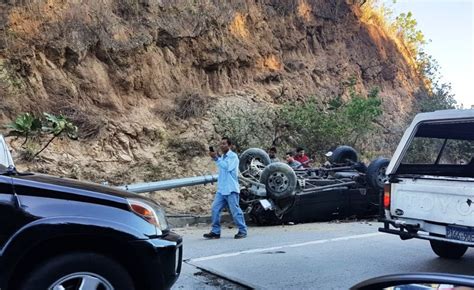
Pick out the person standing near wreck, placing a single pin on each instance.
(228, 191)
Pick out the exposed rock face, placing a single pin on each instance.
(116, 67)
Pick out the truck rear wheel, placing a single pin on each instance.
(376, 176)
(343, 153)
(448, 250)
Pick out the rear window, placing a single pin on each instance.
(423, 151)
(457, 152)
(441, 149)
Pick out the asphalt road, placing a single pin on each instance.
(306, 256)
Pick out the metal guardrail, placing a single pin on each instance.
(169, 184)
(255, 187)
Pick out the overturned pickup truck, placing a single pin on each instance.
(274, 193)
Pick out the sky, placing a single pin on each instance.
(449, 24)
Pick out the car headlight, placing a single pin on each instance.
(152, 213)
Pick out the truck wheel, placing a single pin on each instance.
(448, 250)
(79, 271)
(253, 161)
(279, 179)
(376, 176)
(343, 153)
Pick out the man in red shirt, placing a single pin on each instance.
(302, 158)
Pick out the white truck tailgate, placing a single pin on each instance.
(438, 200)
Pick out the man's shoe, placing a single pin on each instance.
(211, 235)
(240, 235)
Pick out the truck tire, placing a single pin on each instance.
(279, 179)
(253, 154)
(376, 176)
(343, 153)
(448, 250)
(81, 268)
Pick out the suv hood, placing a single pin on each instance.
(71, 185)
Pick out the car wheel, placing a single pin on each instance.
(279, 179)
(448, 250)
(343, 153)
(253, 161)
(79, 271)
(376, 176)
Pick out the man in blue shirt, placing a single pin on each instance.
(227, 191)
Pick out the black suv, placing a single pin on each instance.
(58, 233)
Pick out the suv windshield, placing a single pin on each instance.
(441, 149)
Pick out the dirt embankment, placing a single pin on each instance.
(120, 69)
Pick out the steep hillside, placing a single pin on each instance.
(121, 69)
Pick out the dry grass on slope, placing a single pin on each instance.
(372, 12)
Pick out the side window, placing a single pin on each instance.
(423, 150)
(458, 152)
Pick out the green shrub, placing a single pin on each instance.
(312, 124)
(439, 99)
(438, 95)
(406, 28)
(25, 125)
(33, 128)
(318, 126)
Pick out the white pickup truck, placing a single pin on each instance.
(430, 193)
